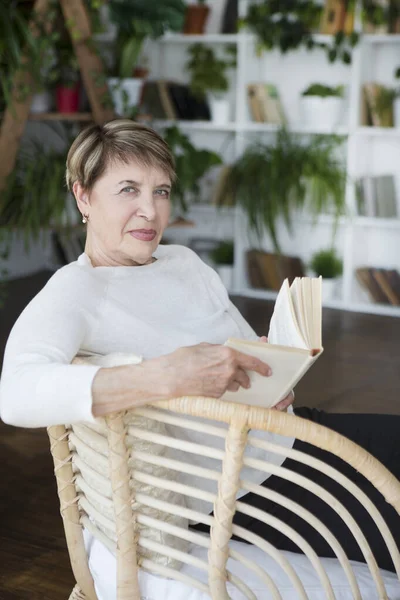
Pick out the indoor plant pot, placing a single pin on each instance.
(126, 93)
(329, 266)
(67, 98)
(220, 109)
(41, 102)
(195, 18)
(321, 106)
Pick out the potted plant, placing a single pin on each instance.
(208, 77)
(35, 197)
(329, 266)
(292, 24)
(16, 43)
(196, 17)
(191, 164)
(273, 182)
(137, 20)
(322, 105)
(223, 258)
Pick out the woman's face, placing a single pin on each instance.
(128, 209)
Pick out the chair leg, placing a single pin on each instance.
(77, 594)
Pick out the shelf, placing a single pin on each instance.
(193, 125)
(269, 127)
(206, 38)
(377, 222)
(381, 38)
(54, 116)
(375, 309)
(393, 132)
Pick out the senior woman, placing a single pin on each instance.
(129, 293)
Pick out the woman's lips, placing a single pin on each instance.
(146, 235)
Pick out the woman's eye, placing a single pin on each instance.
(163, 193)
(129, 189)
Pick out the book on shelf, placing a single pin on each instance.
(371, 113)
(294, 344)
(268, 270)
(383, 285)
(376, 196)
(172, 100)
(333, 17)
(265, 104)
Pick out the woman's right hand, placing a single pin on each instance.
(206, 370)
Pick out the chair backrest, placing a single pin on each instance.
(132, 481)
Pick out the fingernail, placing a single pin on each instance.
(268, 372)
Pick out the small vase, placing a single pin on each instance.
(41, 102)
(324, 113)
(195, 18)
(329, 288)
(130, 89)
(67, 98)
(220, 110)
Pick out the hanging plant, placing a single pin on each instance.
(271, 182)
(292, 24)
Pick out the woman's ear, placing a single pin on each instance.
(81, 197)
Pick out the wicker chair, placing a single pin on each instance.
(128, 470)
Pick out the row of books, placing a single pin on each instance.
(383, 285)
(338, 15)
(376, 111)
(376, 196)
(267, 270)
(171, 100)
(264, 103)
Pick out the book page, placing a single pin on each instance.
(283, 328)
(297, 300)
(288, 367)
(316, 291)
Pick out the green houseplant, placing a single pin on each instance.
(137, 20)
(273, 182)
(328, 265)
(322, 105)
(191, 164)
(291, 24)
(208, 77)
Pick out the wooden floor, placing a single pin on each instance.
(358, 372)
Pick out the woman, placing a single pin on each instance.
(127, 293)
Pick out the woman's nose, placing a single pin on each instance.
(147, 208)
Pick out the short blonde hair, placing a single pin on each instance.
(120, 140)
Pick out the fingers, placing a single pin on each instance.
(283, 404)
(250, 363)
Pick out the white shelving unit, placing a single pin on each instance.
(361, 241)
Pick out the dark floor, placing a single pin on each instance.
(358, 372)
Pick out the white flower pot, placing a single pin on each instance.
(41, 102)
(329, 288)
(321, 112)
(226, 274)
(220, 110)
(125, 93)
(396, 112)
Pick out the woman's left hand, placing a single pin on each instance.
(283, 404)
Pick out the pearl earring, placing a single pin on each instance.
(85, 219)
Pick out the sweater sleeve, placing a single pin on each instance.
(39, 387)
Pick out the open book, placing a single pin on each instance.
(294, 344)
